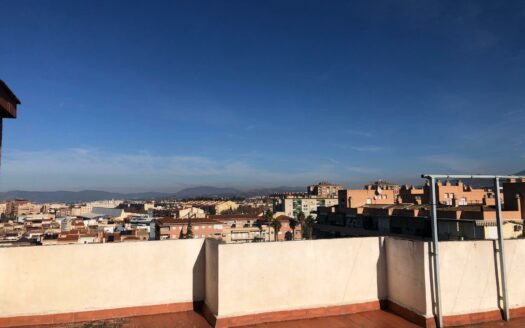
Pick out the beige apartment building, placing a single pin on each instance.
(214, 207)
(448, 193)
(3, 208)
(374, 193)
(464, 212)
(17, 207)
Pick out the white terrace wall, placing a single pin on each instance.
(245, 279)
(76, 278)
(408, 275)
(469, 272)
(268, 277)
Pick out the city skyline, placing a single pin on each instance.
(131, 97)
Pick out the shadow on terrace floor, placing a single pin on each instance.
(190, 319)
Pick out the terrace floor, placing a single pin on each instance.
(190, 319)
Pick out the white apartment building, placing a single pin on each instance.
(292, 205)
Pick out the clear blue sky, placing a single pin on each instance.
(159, 95)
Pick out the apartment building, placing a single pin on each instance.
(371, 194)
(214, 207)
(18, 207)
(448, 193)
(189, 212)
(242, 228)
(170, 228)
(292, 205)
(3, 208)
(364, 213)
(324, 190)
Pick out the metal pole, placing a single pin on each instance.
(501, 246)
(435, 246)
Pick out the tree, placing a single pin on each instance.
(189, 232)
(301, 219)
(259, 224)
(181, 234)
(309, 225)
(276, 225)
(268, 217)
(293, 224)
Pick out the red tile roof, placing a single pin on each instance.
(172, 221)
(235, 216)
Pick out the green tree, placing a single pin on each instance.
(276, 225)
(259, 224)
(268, 217)
(309, 225)
(181, 234)
(189, 232)
(301, 219)
(293, 224)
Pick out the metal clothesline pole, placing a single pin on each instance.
(501, 246)
(435, 253)
(501, 243)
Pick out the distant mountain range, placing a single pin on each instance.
(92, 195)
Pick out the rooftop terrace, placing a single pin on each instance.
(319, 283)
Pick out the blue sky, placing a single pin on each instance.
(160, 95)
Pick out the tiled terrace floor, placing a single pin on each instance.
(373, 319)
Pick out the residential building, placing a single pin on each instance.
(17, 207)
(368, 212)
(371, 194)
(170, 228)
(292, 205)
(189, 212)
(242, 228)
(324, 190)
(214, 207)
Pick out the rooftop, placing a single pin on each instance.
(379, 318)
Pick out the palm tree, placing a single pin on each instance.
(309, 224)
(268, 216)
(293, 224)
(276, 225)
(259, 224)
(301, 219)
